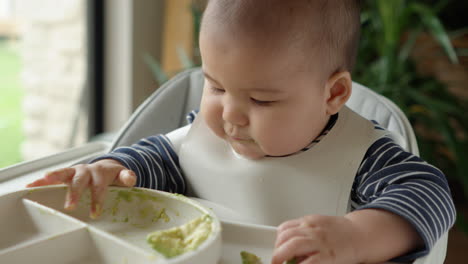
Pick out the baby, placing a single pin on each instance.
(275, 141)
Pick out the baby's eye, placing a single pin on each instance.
(261, 102)
(216, 90)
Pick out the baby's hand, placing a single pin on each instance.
(316, 239)
(97, 176)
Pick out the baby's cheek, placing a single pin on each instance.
(218, 131)
(208, 109)
(214, 124)
(270, 142)
(280, 142)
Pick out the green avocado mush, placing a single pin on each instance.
(181, 239)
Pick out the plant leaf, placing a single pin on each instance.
(409, 44)
(436, 28)
(187, 63)
(155, 68)
(389, 12)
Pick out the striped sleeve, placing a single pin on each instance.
(392, 179)
(155, 163)
(191, 116)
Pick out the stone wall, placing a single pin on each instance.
(53, 50)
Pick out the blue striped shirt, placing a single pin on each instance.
(388, 178)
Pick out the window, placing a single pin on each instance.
(42, 78)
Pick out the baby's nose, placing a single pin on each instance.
(235, 115)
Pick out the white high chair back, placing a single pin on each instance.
(166, 109)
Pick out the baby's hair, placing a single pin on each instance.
(330, 27)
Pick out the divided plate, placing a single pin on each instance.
(35, 227)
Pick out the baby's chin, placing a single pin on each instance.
(248, 152)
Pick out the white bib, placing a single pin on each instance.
(272, 190)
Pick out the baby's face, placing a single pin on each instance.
(263, 102)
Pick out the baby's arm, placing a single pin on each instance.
(382, 235)
(366, 236)
(394, 180)
(396, 195)
(154, 161)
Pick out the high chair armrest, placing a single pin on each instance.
(437, 254)
(15, 177)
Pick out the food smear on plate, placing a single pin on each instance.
(250, 258)
(178, 240)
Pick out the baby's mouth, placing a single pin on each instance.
(234, 136)
(241, 139)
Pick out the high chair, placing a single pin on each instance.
(185, 90)
(165, 110)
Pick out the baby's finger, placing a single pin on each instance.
(42, 182)
(76, 187)
(98, 194)
(126, 178)
(296, 247)
(54, 177)
(314, 259)
(289, 224)
(290, 233)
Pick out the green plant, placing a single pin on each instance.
(389, 32)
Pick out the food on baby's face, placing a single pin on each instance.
(181, 239)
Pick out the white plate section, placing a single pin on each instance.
(79, 247)
(23, 222)
(113, 250)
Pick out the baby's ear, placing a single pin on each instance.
(338, 89)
